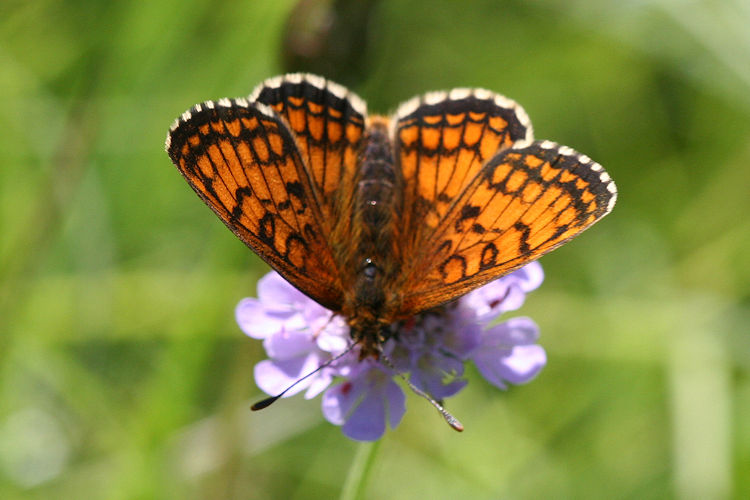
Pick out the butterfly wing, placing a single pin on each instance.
(442, 140)
(327, 121)
(525, 200)
(241, 158)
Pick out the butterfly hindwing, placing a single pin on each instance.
(242, 160)
(523, 203)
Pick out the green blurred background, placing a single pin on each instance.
(123, 374)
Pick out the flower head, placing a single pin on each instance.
(432, 348)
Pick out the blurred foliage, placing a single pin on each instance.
(123, 375)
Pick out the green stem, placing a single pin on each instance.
(359, 472)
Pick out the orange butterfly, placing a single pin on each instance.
(377, 218)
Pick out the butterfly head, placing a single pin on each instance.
(369, 333)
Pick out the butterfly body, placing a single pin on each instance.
(370, 260)
(378, 218)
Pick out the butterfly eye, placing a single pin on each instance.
(370, 270)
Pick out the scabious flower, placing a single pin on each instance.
(299, 335)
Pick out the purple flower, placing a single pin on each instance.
(431, 349)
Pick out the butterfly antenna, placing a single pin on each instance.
(449, 418)
(269, 401)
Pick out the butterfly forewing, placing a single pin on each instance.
(243, 162)
(523, 203)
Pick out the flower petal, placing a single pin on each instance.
(335, 403)
(364, 403)
(288, 345)
(319, 383)
(530, 276)
(396, 403)
(252, 319)
(438, 375)
(524, 363)
(516, 331)
(513, 299)
(516, 365)
(273, 377)
(505, 294)
(463, 339)
(277, 293)
(366, 422)
(334, 337)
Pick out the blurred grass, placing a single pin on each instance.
(123, 375)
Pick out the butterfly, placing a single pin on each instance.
(380, 218)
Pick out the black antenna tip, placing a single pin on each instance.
(264, 404)
(269, 401)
